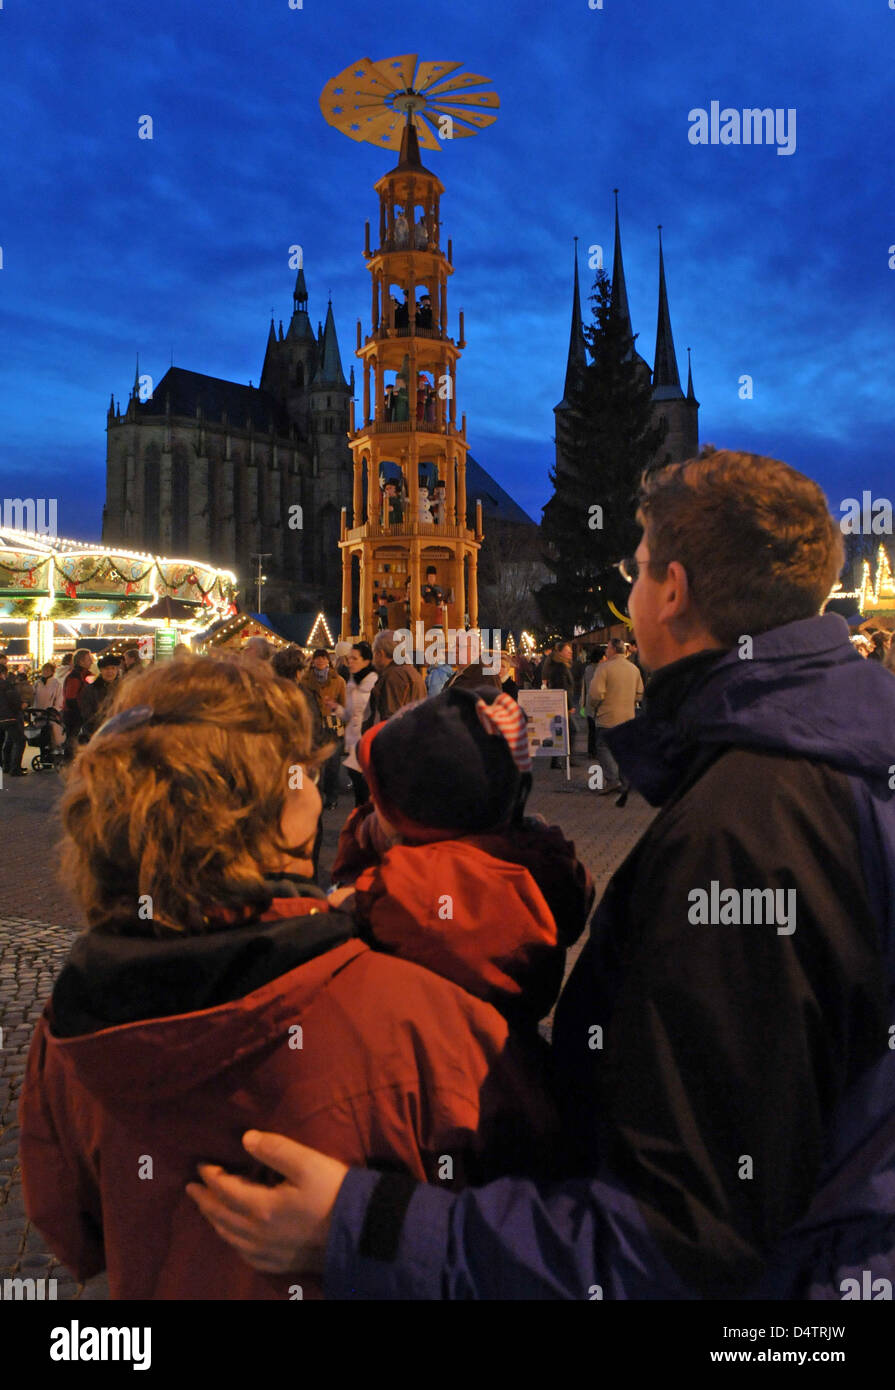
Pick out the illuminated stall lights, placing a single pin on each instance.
(314, 634)
(876, 594)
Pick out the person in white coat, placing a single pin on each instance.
(48, 695)
(362, 677)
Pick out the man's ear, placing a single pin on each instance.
(678, 601)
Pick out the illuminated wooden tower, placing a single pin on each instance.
(408, 553)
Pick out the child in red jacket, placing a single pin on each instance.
(446, 870)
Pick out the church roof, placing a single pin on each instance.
(497, 504)
(183, 391)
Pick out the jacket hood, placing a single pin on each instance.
(804, 691)
(145, 1018)
(494, 913)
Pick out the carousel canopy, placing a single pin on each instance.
(44, 576)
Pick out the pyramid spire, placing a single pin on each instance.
(619, 288)
(330, 370)
(409, 157)
(666, 380)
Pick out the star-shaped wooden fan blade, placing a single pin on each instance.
(465, 79)
(427, 140)
(432, 72)
(398, 71)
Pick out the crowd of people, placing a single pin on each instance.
(73, 696)
(348, 1092)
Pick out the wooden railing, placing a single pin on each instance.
(403, 427)
(384, 331)
(405, 529)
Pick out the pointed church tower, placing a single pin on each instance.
(329, 391)
(620, 293)
(669, 402)
(290, 360)
(409, 439)
(576, 366)
(576, 362)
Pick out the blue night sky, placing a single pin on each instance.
(778, 265)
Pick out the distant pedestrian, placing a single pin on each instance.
(131, 664)
(26, 689)
(362, 677)
(95, 699)
(75, 681)
(328, 690)
(48, 696)
(616, 688)
(596, 656)
(398, 683)
(561, 677)
(12, 727)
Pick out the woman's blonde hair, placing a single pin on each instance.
(169, 822)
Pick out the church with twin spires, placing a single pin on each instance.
(670, 404)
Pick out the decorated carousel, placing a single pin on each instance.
(54, 593)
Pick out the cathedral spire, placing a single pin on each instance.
(270, 350)
(619, 288)
(691, 394)
(576, 362)
(330, 370)
(300, 293)
(666, 380)
(300, 323)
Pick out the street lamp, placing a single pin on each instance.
(261, 578)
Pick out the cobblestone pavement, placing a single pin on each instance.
(38, 920)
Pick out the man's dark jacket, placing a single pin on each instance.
(729, 1089)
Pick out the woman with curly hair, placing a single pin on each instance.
(216, 989)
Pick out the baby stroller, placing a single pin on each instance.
(40, 725)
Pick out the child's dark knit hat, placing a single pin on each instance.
(456, 762)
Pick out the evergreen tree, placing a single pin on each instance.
(606, 440)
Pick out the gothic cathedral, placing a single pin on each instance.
(217, 470)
